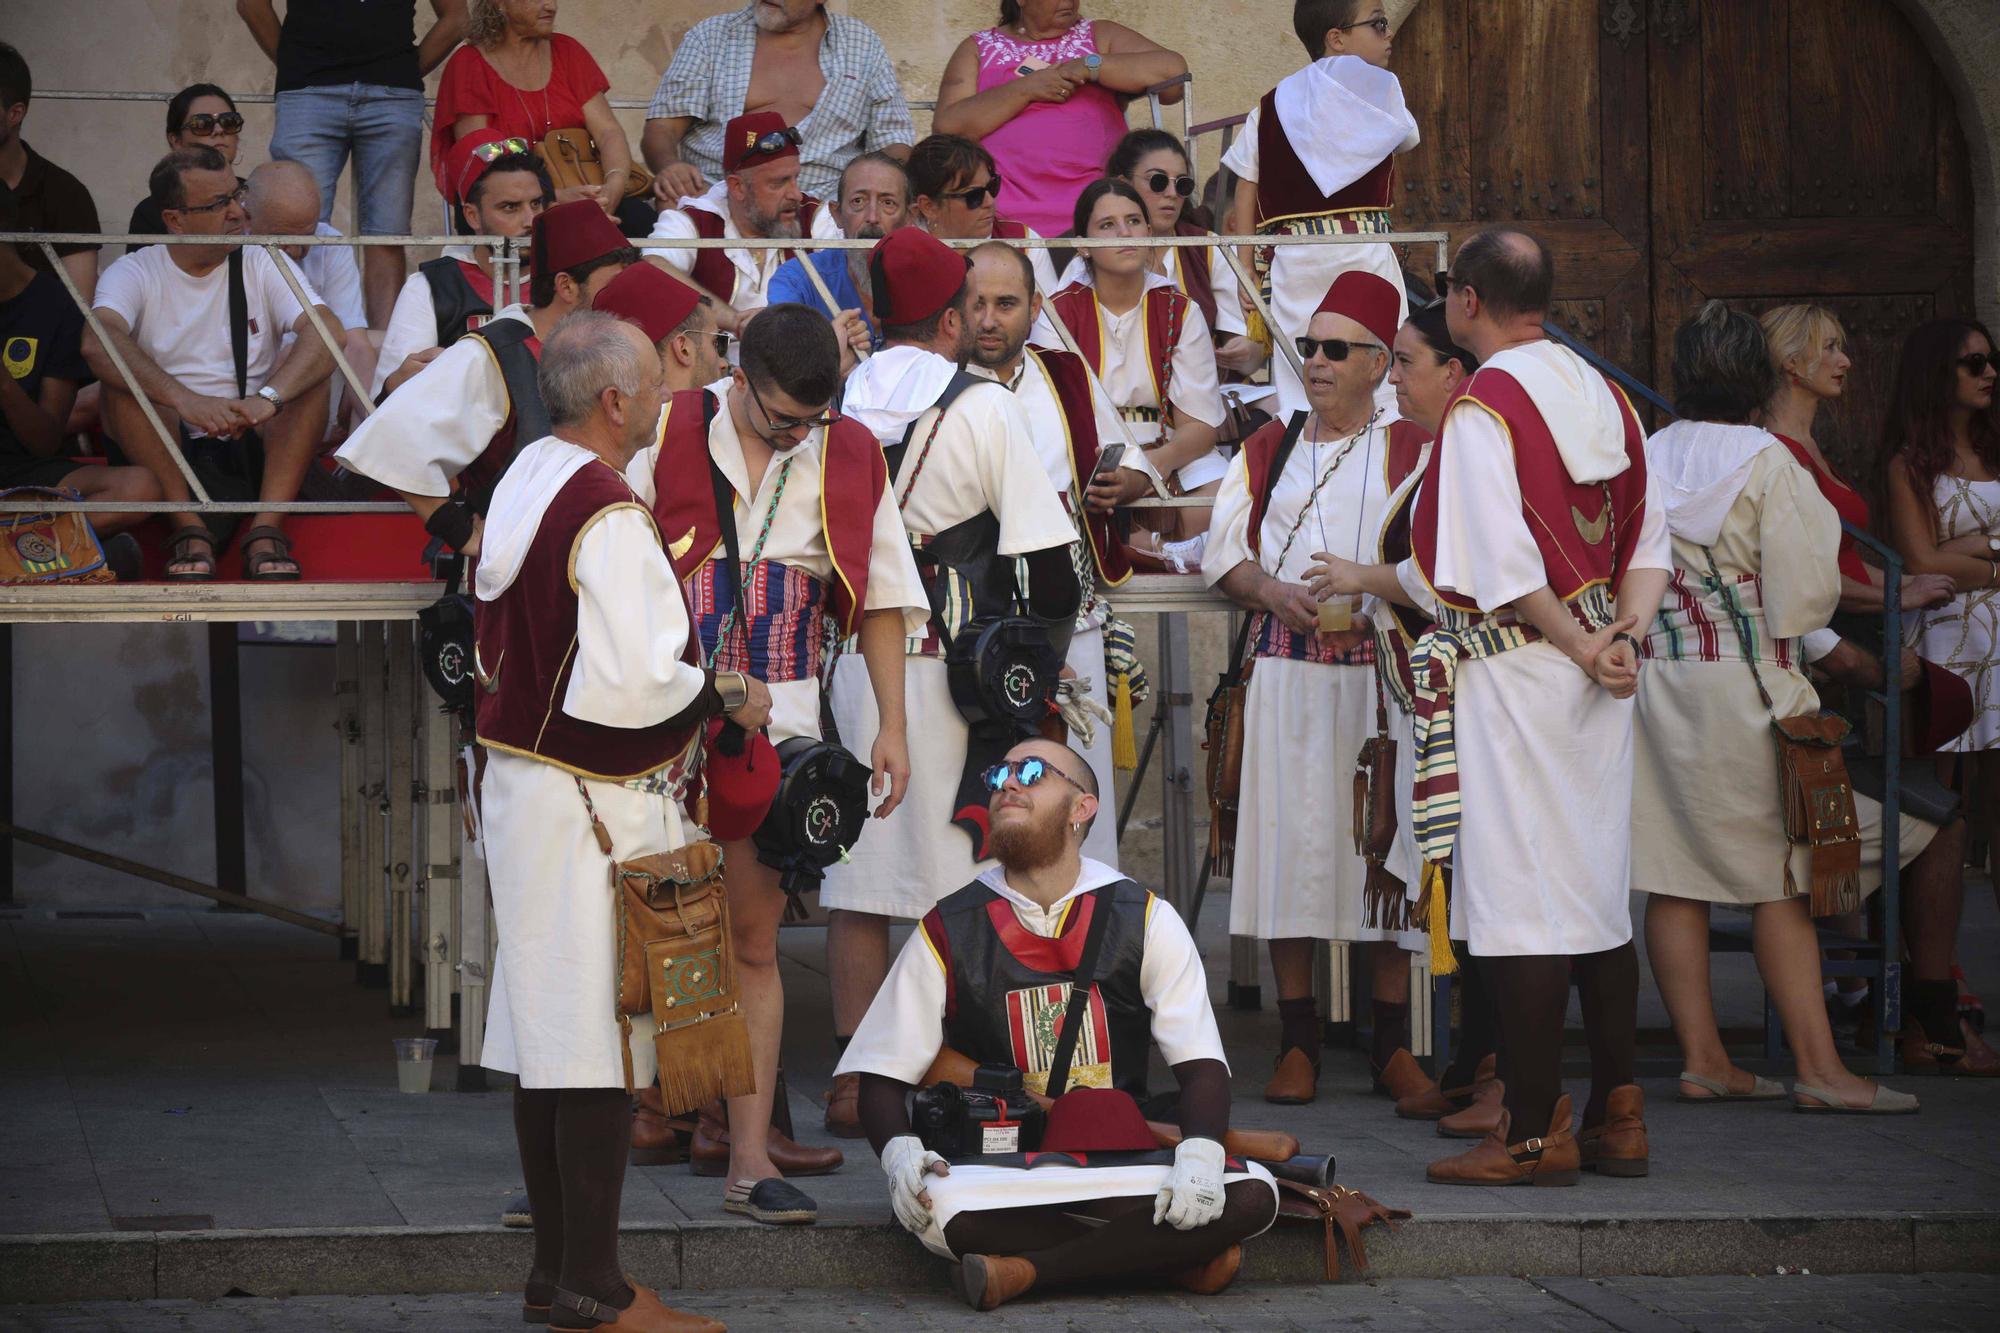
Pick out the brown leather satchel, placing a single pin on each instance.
(1224, 742)
(1336, 1208)
(1384, 904)
(572, 158)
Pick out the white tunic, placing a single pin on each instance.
(981, 460)
(1221, 281)
(551, 1019)
(1543, 861)
(797, 537)
(903, 1032)
(754, 267)
(1297, 873)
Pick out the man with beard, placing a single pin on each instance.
(992, 540)
(678, 320)
(984, 966)
(759, 198)
(1069, 422)
(874, 201)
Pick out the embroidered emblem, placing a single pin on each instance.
(1592, 530)
(19, 355)
(491, 684)
(680, 545)
(1034, 1022)
(38, 552)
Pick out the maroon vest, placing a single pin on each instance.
(1397, 633)
(1006, 229)
(1072, 386)
(712, 268)
(1196, 280)
(853, 475)
(1166, 309)
(1260, 451)
(1586, 532)
(1285, 189)
(526, 649)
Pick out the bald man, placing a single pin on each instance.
(284, 201)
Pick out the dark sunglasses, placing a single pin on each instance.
(235, 196)
(823, 418)
(977, 195)
(722, 341)
(1976, 363)
(1380, 25)
(1158, 181)
(1027, 772)
(775, 141)
(1336, 349)
(205, 123)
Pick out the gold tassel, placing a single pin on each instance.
(1256, 330)
(1443, 961)
(1124, 741)
(704, 1060)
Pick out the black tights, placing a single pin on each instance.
(574, 1142)
(1478, 1024)
(1532, 994)
(1109, 1238)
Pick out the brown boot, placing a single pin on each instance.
(1496, 1162)
(1618, 1146)
(1296, 1082)
(1479, 1119)
(1206, 1279)
(645, 1314)
(843, 1107)
(1488, 1071)
(708, 1155)
(989, 1281)
(658, 1139)
(1417, 1094)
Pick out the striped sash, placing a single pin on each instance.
(778, 637)
(1272, 637)
(1695, 623)
(1361, 222)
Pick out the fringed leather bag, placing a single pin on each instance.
(1339, 1210)
(1224, 742)
(1384, 905)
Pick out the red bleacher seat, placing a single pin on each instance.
(330, 548)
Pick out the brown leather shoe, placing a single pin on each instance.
(1496, 1162)
(1618, 1146)
(989, 1281)
(1489, 1069)
(1479, 1119)
(658, 1139)
(708, 1155)
(1209, 1278)
(843, 1107)
(1296, 1082)
(1417, 1094)
(646, 1314)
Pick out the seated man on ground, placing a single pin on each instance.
(166, 311)
(994, 961)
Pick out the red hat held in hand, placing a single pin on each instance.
(914, 275)
(645, 296)
(572, 234)
(1368, 299)
(753, 140)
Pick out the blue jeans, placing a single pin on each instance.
(382, 127)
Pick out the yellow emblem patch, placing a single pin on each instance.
(1592, 530)
(680, 545)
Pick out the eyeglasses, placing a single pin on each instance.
(775, 141)
(235, 196)
(1027, 772)
(493, 151)
(1380, 25)
(977, 195)
(1336, 349)
(722, 341)
(824, 417)
(228, 122)
(1976, 363)
(1158, 181)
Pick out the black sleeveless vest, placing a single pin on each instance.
(453, 300)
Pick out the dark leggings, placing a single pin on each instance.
(574, 1142)
(1532, 995)
(1109, 1238)
(1478, 1024)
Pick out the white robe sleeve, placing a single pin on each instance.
(631, 626)
(1176, 989)
(1228, 298)
(1655, 548)
(1194, 392)
(675, 224)
(1229, 522)
(1798, 542)
(426, 432)
(1242, 155)
(412, 329)
(893, 580)
(1484, 549)
(1017, 488)
(903, 1030)
(1419, 591)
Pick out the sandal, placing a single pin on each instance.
(772, 1202)
(1809, 1100)
(1761, 1090)
(257, 568)
(180, 551)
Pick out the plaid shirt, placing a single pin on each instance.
(861, 108)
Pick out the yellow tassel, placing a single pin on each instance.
(1443, 961)
(1255, 329)
(1124, 740)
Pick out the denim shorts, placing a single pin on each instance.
(381, 128)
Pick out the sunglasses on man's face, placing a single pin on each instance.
(1159, 181)
(1026, 772)
(721, 341)
(976, 196)
(824, 417)
(1336, 349)
(228, 122)
(235, 196)
(1976, 363)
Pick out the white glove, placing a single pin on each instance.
(1080, 712)
(1192, 1196)
(906, 1162)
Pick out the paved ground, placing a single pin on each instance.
(1772, 1304)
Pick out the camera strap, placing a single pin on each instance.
(1079, 994)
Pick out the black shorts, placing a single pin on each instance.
(24, 469)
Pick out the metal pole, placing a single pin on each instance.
(360, 390)
(1889, 997)
(1177, 764)
(225, 705)
(6, 760)
(826, 295)
(372, 970)
(400, 730)
(347, 722)
(437, 795)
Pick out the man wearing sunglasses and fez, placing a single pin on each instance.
(678, 320)
(499, 187)
(1318, 157)
(986, 980)
(1313, 483)
(1544, 539)
(992, 541)
(820, 543)
(758, 197)
(443, 439)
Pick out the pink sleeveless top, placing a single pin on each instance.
(1049, 152)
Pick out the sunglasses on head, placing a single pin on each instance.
(493, 151)
(1975, 363)
(235, 196)
(825, 417)
(1336, 349)
(1158, 181)
(775, 141)
(1380, 25)
(976, 195)
(1027, 772)
(228, 122)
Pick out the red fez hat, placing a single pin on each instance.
(753, 140)
(914, 275)
(740, 773)
(1368, 299)
(645, 296)
(1940, 708)
(572, 234)
(1096, 1120)
(472, 156)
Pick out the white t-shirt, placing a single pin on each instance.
(332, 272)
(182, 322)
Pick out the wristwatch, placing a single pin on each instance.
(273, 397)
(1092, 64)
(734, 687)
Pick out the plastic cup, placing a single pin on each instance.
(413, 1063)
(1336, 615)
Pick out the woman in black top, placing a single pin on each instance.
(199, 114)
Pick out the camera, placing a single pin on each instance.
(994, 1115)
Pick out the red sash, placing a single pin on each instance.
(1196, 280)
(712, 268)
(1166, 309)
(1586, 533)
(1285, 189)
(1072, 386)
(852, 475)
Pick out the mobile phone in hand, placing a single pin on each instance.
(1108, 458)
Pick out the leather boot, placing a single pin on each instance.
(1417, 1095)
(843, 1107)
(1207, 1279)
(1479, 1119)
(708, 1155)
(1497, 1162)
(646, 1314)
(1296, 1082)
(1618, 1146)
(988, 1281)
(657, 1138)
(1489, 1069)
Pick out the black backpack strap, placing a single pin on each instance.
(239, 322)
(508, 340)
(453, 301)
(961, 380)
(1079, 994)
(1293, 429)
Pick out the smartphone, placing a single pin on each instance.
(1107, 462)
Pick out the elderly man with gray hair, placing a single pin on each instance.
(591, 706)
